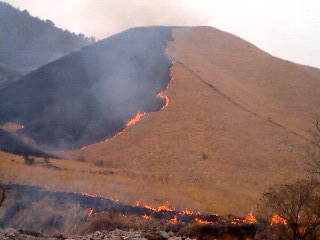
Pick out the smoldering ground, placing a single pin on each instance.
(90, 95)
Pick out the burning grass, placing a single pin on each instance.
(73, 213)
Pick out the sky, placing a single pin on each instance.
(289, 29)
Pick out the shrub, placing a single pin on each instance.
(28, 160)
(46, 160)
(297, 210)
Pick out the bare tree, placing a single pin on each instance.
(297, 204)
(313, 163)
(313, 152)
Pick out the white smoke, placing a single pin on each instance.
(104, 18)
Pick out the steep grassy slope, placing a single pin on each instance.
(238, 121)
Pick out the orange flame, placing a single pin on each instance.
(90, 212)
(187, 212)
(203, 221)
(250, 218)
(236, 221)
(277, 219)
(139, 115)
(163, 207)
(150, 207)
(174, 219)
(146, 216)
(161, 95)
(135, 119)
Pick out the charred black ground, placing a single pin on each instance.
(9, 142)
(37, 209)
(90, 95)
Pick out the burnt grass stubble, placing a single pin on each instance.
(53, 216)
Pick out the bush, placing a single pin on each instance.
(99, 163)
(28, 160)
(297, 210)
(46, 160)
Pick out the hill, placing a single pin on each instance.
(7, 74)
(89, 95)
(238, 120)
(28, 42)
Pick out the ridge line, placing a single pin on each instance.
(228, 98)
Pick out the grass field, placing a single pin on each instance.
(238, 121)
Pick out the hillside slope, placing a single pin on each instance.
(238, 121)
(28, 42)
(90, 94)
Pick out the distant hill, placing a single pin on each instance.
(28, 42)
(7, 74)
(90, 94)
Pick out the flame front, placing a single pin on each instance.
(203, 221)
(146, 216)
(187, 212)
(277, 219)
(135, 119)
(163, 207)
(90, 212)
(139, 115)
(250, 218)
(174, 219)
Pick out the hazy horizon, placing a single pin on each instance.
(286, 29)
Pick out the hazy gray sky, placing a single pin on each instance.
(289, 29)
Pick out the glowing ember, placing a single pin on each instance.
(277, 219)
(165, 207)
(90, 212)
(250, 218)
(160, 95)
(150, 207)
(203, 221)
(187, 212)
(174, 219)
(236, 221)
(146, 216)
(135, 119)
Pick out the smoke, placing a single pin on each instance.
(116, 15)
(89, 95)
(104, 18)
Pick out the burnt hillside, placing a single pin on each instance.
(90, 94)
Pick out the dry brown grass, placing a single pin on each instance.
(250, 114)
